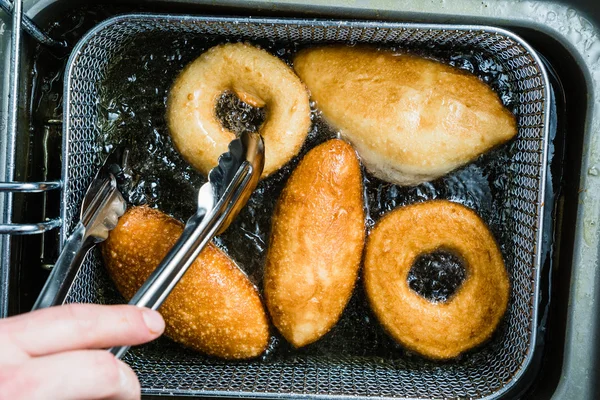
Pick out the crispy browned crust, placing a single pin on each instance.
(411, 119)
(213, 309)
(316, 243)
(435, 330)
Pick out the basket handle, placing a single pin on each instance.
(30, 187)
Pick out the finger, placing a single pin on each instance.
(82, 326)
(81, 375)
(10, 353)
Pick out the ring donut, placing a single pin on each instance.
(257, 78)
(437, 330)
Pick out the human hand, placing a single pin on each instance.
(56, 353)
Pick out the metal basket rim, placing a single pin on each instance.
(133, 17)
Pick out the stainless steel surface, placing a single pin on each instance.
(8, 150)
(30, 229)
(235, 178)
(29, 187)
(7, 186)
(102, 206)
(569, 34)
(219, 201)
(31, 28)
(64, 271)
(487, 373)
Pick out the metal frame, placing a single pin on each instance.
(549, 17)
(8, 143)
(8, 187)
(8, 150)
(366, 24)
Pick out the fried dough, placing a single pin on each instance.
(316, 243)
(437, 330)
(257, 78)
(213, 309)
(411, 119)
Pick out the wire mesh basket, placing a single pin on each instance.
(487, 372)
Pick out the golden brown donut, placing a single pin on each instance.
(213, 309)
(410, 119)
(470, 316)
(257, 78)
(316, 243)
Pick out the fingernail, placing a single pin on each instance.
(154, 321)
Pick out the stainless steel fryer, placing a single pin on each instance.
(487, 373)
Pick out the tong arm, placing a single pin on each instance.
(96, 220)
(59, 282)
(199, 230)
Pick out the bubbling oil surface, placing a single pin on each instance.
(437, 276)
(132, 107)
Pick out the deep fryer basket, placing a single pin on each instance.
(487, 373)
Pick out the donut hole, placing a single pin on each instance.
(436, 276)
(238, 116)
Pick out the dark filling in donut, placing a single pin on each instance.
(437, 276)
(237, 116)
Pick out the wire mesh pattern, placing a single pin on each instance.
(165, 367)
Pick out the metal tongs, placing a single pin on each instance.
(229, 186)
(102, 206)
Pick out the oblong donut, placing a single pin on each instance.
(213, 309)
(257, 78)
(316, 243)
(435, 330)
(411, 119)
